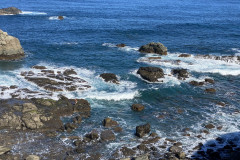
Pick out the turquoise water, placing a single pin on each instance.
(85, 41)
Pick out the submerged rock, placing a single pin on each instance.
(10, 47)
(209, 80)
(107, 135)
(120, 45)
(142, 130)
(181, 73)
(154, 47)
(60, 17)
(196, 83)
(210, 90)
(10, 10)
(151, 74)
(109, 77)
(137, 107)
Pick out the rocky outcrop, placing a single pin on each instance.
(142, 130)
(10, 47)
(120, 45)
(137, 107)
(108, 122)
(181, 73)
(109, 77)
(154, 47)
(151, 74)
(10, 11)
(229, 59)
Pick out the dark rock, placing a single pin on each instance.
(151, 140)
(127, 151)
(69, 127)
(10, 10)
(184, 55)
(195, 83)
(108, 122)
(210, 90)
(153, 47)
(137, 107)
(39, 67)
(60, 17)
(209, 126)
(93, 135)
(13, 87)
(142, 130)
(120, 45)
(221, 104)
(153, 134)
(151, 74)
(68, 72)
(143, 148)
(154, 58)
(175, 149)
(209, 80)
(181, 73)
(107, 135)
(109, 77)
(77, 119)
(177, 144)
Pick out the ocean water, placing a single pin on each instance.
(85, 41)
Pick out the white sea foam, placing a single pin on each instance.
(194, 64)
(125, 49)
(99, 89)
(237, 51)
(56, 18)
(33, 13)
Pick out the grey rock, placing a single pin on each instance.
(154, 47)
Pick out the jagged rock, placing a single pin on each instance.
(151, 74)
(109, 77)
(120, 45)
(10, 47)
(68, 72)
(93, 135)
(181, 73)
(153, 47)
(69, 127)
(28, 107)
(127, 151)
(32, 157)
(32, 120)
(4, 150)
(209, 80)
(195, 83)
(10, 10)
(184, 55)
(210, 90)
(175, 149)
(39, 67)
(108, 122)
(107, 135)
(10, 120)
(143, 148)
(142, 130)
(137, 107)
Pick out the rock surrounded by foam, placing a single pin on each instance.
(10, 47)
(10, 11)
(50, 81)
(154, 47)
(151, 74)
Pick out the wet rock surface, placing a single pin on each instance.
(110, 77)
(154, 47)
(10, 47)
(151, 74)
(143, 130)
(137, 107)
(180, 73)
(10, 11)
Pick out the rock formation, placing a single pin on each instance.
(10, 10)
(154, 47)
(10, 47)
(151, 74)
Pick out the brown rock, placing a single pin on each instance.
(107, 135)
(210, 90)
(60, 17)
(151, 74)
(110, 77)
(137, 107)
(153, 47)
(209, 126)
(108, 122)
(142, 130)
(184, 55)
(209, 80)
(120, 45)
(39, 67)
(10, 11)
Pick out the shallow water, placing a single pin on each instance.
(85, 40)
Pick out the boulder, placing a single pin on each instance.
(10, 120)
(142, 130)
(93, 135)
(153, 47)
(120, 45)
(68, 72)
(108, 122)
(109, 77)
(107, 135)
(210, 90)
(39, 67)
(175, 149)
(10, 10)
(181, 73)
(151, 74)
(4, 150)
(32, 120)
(209, 80)
(127, 151)
(209, 126)
(142, 157)
(196, 83)
(10, 47)
(184, 55)
(28, 107)
(69, 127)
(137, 107)
(32, 157)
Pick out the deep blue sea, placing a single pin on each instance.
(85, 41)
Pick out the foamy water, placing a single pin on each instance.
(33, 13)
